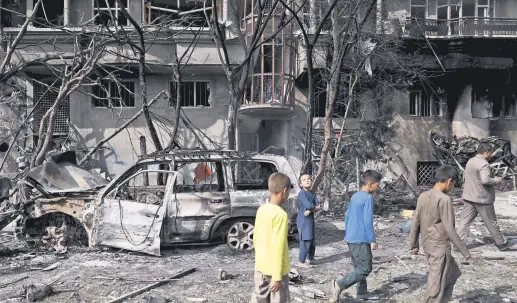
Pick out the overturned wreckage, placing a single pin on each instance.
(164, 199)
(451, 150)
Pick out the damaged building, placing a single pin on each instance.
(465, 44)
(468, 46)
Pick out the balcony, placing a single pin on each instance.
(461, 27)
(269, 95)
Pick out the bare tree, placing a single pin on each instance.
(237, 75)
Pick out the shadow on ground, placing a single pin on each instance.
(485, 295)
(400, 284)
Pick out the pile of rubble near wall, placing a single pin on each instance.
(454, 150)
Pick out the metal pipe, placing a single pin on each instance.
(194, 11)
(164, 9)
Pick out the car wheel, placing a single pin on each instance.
(240, 235)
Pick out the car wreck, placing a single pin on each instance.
(177, 197)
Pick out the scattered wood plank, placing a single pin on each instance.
(154, 285)
(12, 282)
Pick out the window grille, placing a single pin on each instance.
(121, 94)
(47, 94)
(426, 171)
(192, 94)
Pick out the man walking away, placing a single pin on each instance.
(434, 220)
(479, 197)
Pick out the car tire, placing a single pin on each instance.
(240, 235)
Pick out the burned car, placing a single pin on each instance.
(164, 199)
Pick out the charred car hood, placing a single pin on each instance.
(53, 177)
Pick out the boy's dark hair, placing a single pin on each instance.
(278, 182)
(303, 174)
(484, 147)
(370, 176)
(444, 173)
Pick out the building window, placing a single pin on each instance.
(45, 95)
(108, 12)
(422, 105)
(418, 9)
(114, 94)
(491, 103)
(192, 94)
(425, 172)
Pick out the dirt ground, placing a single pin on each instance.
(99, 276)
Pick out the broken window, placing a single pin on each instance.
(340, 105)
(249, 175)
(491, 103)
(423, 105)
(418, 9)
(192, 94)
(142, 184)
(109, 13)
(190, 13)
(199, 176)
(114, 94)
(50, 13)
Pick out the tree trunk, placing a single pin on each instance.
(177, 110)
(232, 116)
(307, 152)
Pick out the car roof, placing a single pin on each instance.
(192, 155)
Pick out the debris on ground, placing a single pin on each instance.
(154, 285)
(157, 299)
(34, 293)
(224, 276)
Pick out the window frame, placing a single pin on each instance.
(209, 98)
(134, 82)
(233, 174)
(220, 170)
(425, 6)
(431, 101)
(115, 9)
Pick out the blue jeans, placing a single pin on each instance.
(307, 250)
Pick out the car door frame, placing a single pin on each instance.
(105, 214)
(204, 222)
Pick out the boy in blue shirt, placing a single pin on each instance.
(360, 237)
(309, 204)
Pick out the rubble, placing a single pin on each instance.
(456, 151)
(35, 293)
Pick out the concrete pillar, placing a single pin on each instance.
(30, 7)
(66, 12)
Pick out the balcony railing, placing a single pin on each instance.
(270, 89)
(462, 27)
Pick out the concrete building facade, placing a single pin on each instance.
(471, 45)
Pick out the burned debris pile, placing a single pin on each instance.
(456, 151)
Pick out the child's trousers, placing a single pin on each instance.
(362, 260)
(261, 293)
(307, 250)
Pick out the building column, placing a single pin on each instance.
(30, 7)
(66, 12)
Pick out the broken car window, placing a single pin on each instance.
(145, 185)
(199, 176)
(249, 175)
